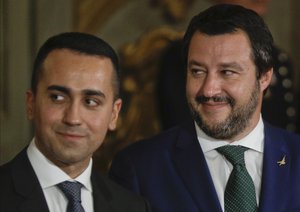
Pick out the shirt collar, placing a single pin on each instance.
(254, 140)
(49, 174)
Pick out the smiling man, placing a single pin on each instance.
(73, 101)
(222, 89)
(227, 158)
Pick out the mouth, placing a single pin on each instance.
(214, 101)
(71, 136)
(214, 106)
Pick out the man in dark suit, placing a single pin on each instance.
(73, 101)
(228, 158)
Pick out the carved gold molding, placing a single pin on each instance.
(175, 10)
(139, 118)
(89, 15)
(140, 62)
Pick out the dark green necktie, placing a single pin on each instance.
(240, 191)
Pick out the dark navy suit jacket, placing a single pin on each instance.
(20, 191)
(171, 172)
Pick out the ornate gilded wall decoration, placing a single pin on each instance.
(175, 10)
(139, 117)
(140, 62)
(89, 15)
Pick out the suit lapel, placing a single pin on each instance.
(27, 185)
(28, 188)
(191, 165)
(101, 195)
(274, 176)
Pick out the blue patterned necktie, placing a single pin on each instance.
(240, 191)
(72, 191)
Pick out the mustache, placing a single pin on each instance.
(225, 99)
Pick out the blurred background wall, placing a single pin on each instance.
(144, 26)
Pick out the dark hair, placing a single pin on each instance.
(226, 18)
(79, 42)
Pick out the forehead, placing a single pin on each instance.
(73, 69)
(219, 45)
(225, 50)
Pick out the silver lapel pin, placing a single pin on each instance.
(282, 161)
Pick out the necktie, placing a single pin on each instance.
(240, 191)
(72, 191)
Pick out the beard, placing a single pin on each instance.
(237, 120)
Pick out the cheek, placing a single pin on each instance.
(238, 91)
(45, 116)
(192, 88)
(241, 92)
(97, 123)
(98, 132)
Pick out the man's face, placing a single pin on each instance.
(73, 107)
(222, 89)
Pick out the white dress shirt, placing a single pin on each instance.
(49, 175)
(220, 168)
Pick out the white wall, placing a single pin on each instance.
(25, 24)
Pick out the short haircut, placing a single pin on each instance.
(79, 42)
(226, 18)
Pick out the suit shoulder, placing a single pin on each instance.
(279, 135)
(117, 189)
(155, 143)
(6, 170)
(121, 199)
(5, 175)
(273, 131)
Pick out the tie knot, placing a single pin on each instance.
(234, 154)
(72, 190)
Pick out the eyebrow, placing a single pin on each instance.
(193, 62)
(231, 65)
(86, 92)
(222, 65)
(92, 92)
(59, 88)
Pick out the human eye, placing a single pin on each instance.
(57, 98)
(92, 102)
(197, 71)
(228, 72)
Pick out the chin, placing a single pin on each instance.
(214, 120)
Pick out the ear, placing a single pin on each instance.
(30, 104)
(115, 114)
(265, 79)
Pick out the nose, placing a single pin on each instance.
(210, 86)
(72, 114)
